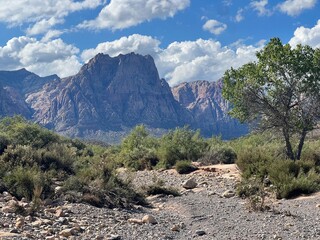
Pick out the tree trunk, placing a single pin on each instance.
(286, 136)
(301, 142)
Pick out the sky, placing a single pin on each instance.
(188, 39)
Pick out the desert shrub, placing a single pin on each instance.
(291, 179)
(138, 150)
(58, 157)
(219, 155)
(19, 155)
(93, 199)
(254, 191)
(121, 193)
(311, 152)
(4, 142)
(185, 167)
(32, 158)
(256, 152)
(158, 187)
(180, 144)
(22, 132)
(21, 182)
(73, 183)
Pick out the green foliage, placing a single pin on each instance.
(253, 190)
(22, 132)
(219, 154)
(185, 167)
(4, 142)
(280, 91)
(261, 156)
(33, 158)
(158, 187)
(22, 181)
(138, 150)
(292, 180)
(180, 144)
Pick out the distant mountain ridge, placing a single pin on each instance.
(209, 110)
(110, 95)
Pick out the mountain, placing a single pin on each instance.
(210, 111)
(110, 95)
(15, 86)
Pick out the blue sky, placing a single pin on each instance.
(189, 39)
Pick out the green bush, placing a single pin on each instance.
(21, 182)
(4, 142)
(158, 187)
(219, 155)
(22, 132)
(292, 179)
(138, 150)
(253, 190)
(180, 144)
(185, 167)
(156, 190)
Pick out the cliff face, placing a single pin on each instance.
(15, 87)
(108, 94)
(111, 95)
(210, 111)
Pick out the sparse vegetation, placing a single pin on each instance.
(158, 187)
(34, 161)
(33, 168)
(262, 156)
(185, 167)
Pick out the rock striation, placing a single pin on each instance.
(210, 111)
(109, 94)
(112, 95)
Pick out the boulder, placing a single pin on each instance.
(149, 219)
(189, 184)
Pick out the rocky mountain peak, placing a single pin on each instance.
(113, 94)
(109, 93)
(210, 111)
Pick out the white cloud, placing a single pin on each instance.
(120, 14)
(295, 7)
(260, 7)
(135, 43)
(44, 14)
(43, 58)
(43, 26)
(178, 62)
(214, 26)
(201, 60)
(307, 36)
(239, 17)
(181, 61)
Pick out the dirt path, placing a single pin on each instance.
(199, 213)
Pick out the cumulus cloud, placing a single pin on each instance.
(201, 59)
(120, 14)
(309, 36)
(181, 61)
(44, 14)
(261, 7)
(295, 7)
(135, 43)
(43, 58)
(214, 26)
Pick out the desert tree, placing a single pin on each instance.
(280, 91)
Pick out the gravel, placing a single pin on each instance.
(199, 213)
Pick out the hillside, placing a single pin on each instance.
(210, 111)
(109, 96)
